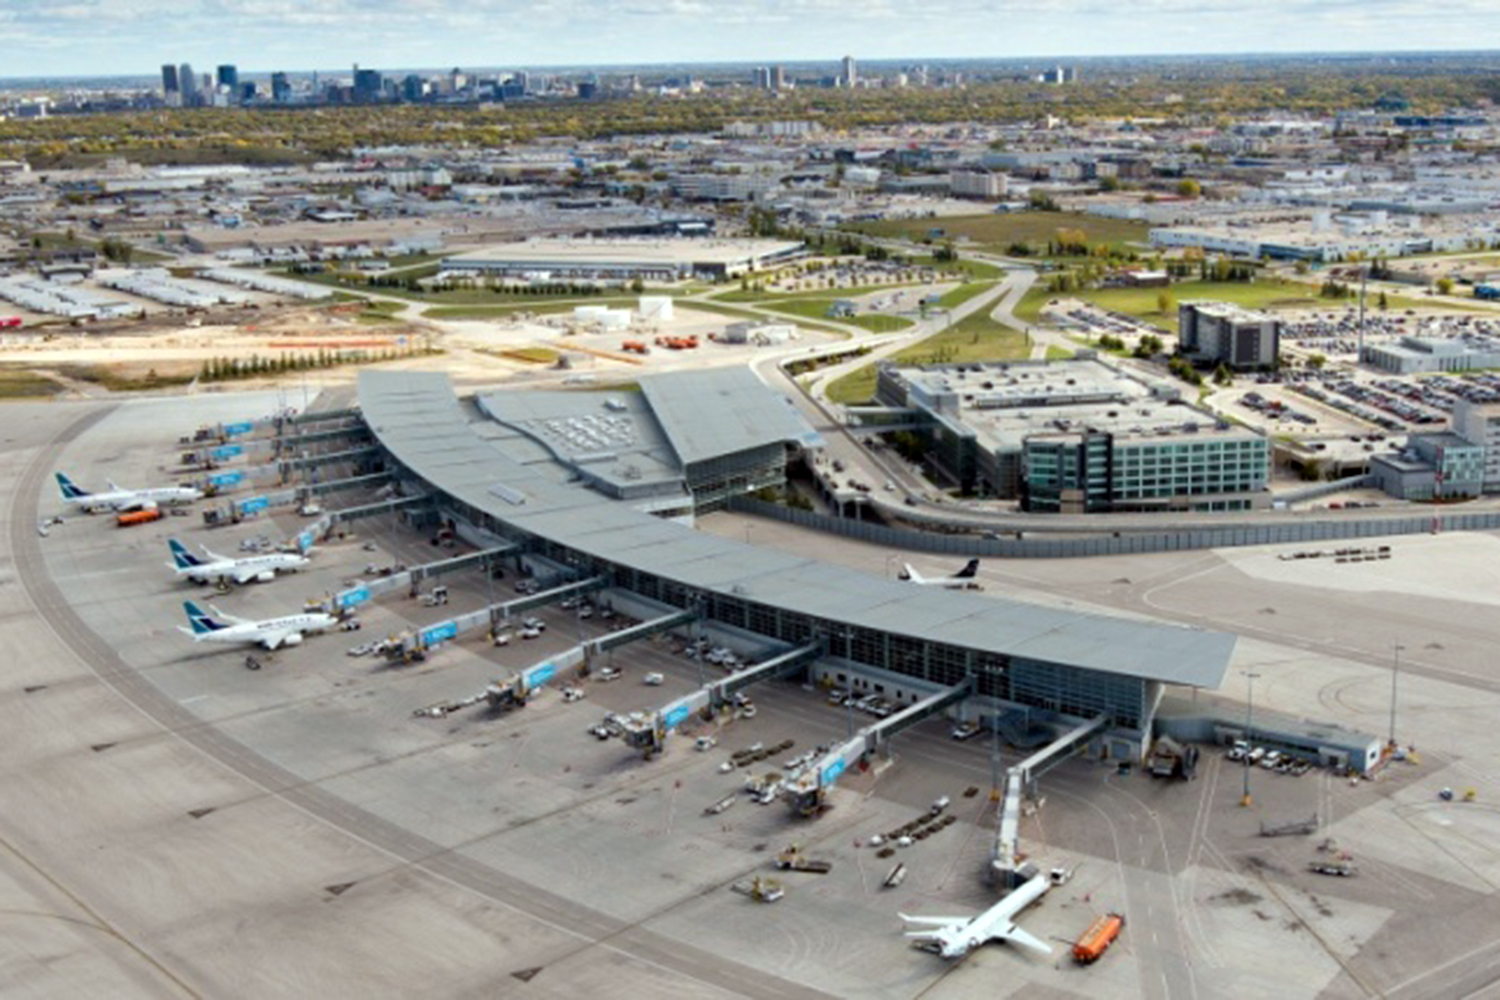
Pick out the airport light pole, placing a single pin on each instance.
(1396, 649)
(888, 560)
(1250, 677)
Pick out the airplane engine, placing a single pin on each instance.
(295, 639)
(265, 577)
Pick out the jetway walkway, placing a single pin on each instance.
(515, 692)
(414, 645)
(649, 732)
(1020, 779)
(409, 579)
(807, 794)
(625, 636)
(331, 458)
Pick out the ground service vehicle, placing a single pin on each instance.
(1097, 939)
(138, 517)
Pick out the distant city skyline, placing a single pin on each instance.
(133, 37)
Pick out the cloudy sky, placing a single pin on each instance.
(78, 37)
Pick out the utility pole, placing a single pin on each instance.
(1396, 649)
(1249, 732)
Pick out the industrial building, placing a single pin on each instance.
(1073, 437)
(507, 470)
(1217, 333)
(978, 184)
(1413, 355)
(625, 260)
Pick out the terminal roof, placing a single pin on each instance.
(417, 418)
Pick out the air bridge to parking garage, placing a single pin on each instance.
(1052, 662)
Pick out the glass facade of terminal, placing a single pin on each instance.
(1037, 684)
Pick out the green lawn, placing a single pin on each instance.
(964, 293)
(818, 309)
(974, 338)
(1055, 353)
(1142, 303)
(995, 232)
(730, 311)
(18, 383)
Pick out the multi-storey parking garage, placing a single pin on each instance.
(499, 478)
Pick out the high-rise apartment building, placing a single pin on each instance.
(849, 77)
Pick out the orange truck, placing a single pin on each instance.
(1097, 939)
(138, 517)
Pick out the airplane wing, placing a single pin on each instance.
(935, 921)
(244, 574)
(214, 555)
(1028, 941)
(272, 640)
(912, 576)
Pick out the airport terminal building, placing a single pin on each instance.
(496, 466)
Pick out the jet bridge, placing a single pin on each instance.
(413, 645)
(625, 636)
(1020, 779)
(807, 794)
(515, 692)
(648, 733)
(289, 465)
(409, 579)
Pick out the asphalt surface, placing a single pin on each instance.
(589, 927)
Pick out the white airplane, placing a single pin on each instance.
(955, 937)
(121, 499)
(260, 568)
(270, 633)
(962, 580)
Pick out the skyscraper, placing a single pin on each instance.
(188, 84)
(369, 85)
(169, 80)
(281, 89)
(850, 76)
(229, 79)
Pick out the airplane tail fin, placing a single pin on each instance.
(181, 557)
(969, 570)
(202, 623)
(70, 490)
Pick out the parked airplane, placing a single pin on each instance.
(962, 580)
(120, 499)
(260, 568)
(270, 633)
(955, 937)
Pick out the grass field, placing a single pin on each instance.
(1270, 295)
(974, 338)
(818, 309)
(964, 293)
(996, 232)
(18, 383)
(731, 312)
(1055, 353)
